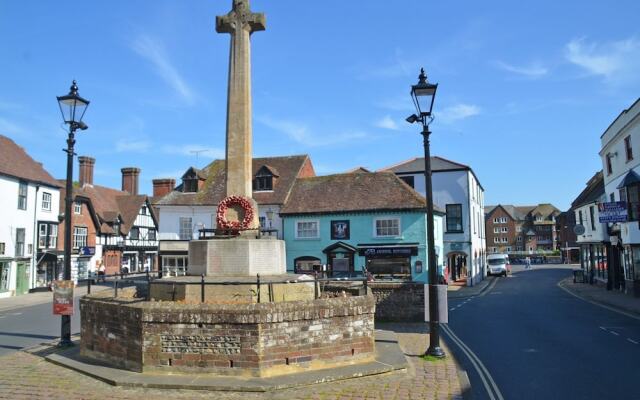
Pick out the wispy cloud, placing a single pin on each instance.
(616, 61)
(302, 134)
(457, 112)
(534, 70)
(194, 150)
(9, 128)
(155, 52)
(400, 65)
(133, 146)
(387, 123)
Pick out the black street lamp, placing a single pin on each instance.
(72, 107)
(423, 95)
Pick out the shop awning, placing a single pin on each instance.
(629, 179)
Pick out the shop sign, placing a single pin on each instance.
(612, 212)
(63, 297)
(87, 251)
(373, 252)
(456, 246)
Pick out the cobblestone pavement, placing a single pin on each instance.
(29, 376)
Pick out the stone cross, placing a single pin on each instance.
(240, 23)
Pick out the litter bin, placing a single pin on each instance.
(578, 276)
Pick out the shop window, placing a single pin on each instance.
(307, 264)
(307, 230)
(387, 227)
(4, 276)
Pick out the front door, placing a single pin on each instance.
(22, 279)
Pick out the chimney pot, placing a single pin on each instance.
(162, 187)
(86, 170)
(130, 177)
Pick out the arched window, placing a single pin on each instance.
(307, 264)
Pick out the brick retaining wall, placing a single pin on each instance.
(233, 339)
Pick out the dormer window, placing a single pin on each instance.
(190, 185)
(191, 180)
(264, 178)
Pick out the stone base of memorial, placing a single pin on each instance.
(260, 340)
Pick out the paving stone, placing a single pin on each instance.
(29, 376)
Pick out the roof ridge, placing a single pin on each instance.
(399, 164)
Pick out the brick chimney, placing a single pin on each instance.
(162, 187)
(130, 180)
(86, 170)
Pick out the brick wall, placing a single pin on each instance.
(232, 339)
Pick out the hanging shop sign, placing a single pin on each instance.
(63, 297)
(615, 211)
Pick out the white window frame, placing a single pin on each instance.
(77, 208)
(305, 221)
(80, 235)
(46, 201)
(387, 218)
(496, 229)
(505, 229)
(183, 232)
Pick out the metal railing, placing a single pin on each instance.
(320, 284)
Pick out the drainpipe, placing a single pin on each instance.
(34, 247)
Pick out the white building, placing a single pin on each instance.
(189, 210)
(458, 191)
(29, 196)
(620, 154)
(594, 242)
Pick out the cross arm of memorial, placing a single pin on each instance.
(240, 16)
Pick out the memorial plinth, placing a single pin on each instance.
(237, 257)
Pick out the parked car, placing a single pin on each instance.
(498, 264)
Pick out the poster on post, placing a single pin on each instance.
(62, 297)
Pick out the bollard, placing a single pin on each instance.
(316, 287)
(116, 289)
(89, 286)
(366, 286)
(202, 288)
(271, 293)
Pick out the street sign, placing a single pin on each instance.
(63, 297)
(615, 211)
(443, 306)
(87, 251)
(578, 229)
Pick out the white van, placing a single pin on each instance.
(498, 264)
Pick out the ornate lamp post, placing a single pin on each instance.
(423, 95)
(72, 107)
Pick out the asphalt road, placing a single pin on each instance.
(29, 326)
(538, 342)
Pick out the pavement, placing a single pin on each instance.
(598, 294)
(457, 292)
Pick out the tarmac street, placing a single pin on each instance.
(534, 340)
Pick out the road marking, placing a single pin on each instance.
(16, 313)
(632, 341)
(615, 333)
(491, 286)
(595, 303)
(604, 329)
(488, 382)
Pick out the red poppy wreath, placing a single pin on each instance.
(221, 214)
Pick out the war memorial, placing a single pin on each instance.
(237, 315)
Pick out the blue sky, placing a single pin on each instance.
(525, 90)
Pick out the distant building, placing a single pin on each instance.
(341, 224)
(621, 171)
(521, 230)
(457, 190)
(117, 228)
(191, 206)
(28, 219)
(567, 238)
(595, 247)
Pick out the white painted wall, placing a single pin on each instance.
(460, 187)
(203, 217)
(612, 143)
(12, 218)
(596, 233)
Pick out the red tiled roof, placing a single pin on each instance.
(285, 168)
(352, 192)
(15, 162)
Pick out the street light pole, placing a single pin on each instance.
(70, 106)
(423, 95)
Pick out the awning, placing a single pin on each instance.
(629, 179)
